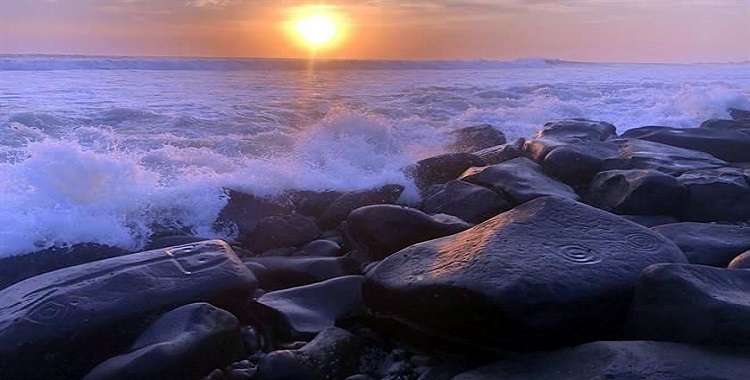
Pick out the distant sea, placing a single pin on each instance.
(101, 149)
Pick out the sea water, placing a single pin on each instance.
(102, 149)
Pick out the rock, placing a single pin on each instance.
(501, 153)
(538, 149)
(467, 201)
(333, 354)
(185, 343)
(520, 179)
(740, 262)
(724, 144)
(477, 137)
(442, 168)
(171, 241)
(308, 202)
(243, 212)
(276, 273)
(57, 315)
(721, 194)
(282, 231)
(343, 205)
(319, 248)
(628, 360)
(738, 114)
(581, 129)
(650, 220)
(672, 160)
(16, 268)
(577, 164)
(741, 126)
(707, 243)
(309, 309)
(548, 273)
(384, 229)
(692, 303)
(241, 370)
(636, 192)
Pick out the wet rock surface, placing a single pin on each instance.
(708, 243)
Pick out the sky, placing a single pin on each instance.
(577, 30)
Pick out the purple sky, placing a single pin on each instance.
(584, 30)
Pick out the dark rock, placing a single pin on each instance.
(520, 179)
(442, 168)
(738, 114)
(692, 303)
(243, 212)
(308, 202)
(276, 273)
(672, 160)
(320, 248)
(309, 309)
(477, 137)
(171, 241)
(538, 149)
(724, 144)
(343, 205)
(650, 220)
(740, 262)
(580, 129)
(282, 231)
(57, 315)
(333, 354)
(185, 343)
(637, 192)
(741, 126)
(577, 164)
(631, 360)
(721, 194)
(501, 153)
(241, 370)
(467, 201)
(707, 243)
(548, 273)
(16, 268)
(384, 229)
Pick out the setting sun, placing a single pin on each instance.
(317, 29)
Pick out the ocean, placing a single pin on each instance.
(102, 149)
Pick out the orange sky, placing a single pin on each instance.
(584, 30)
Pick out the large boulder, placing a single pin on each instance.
(280, 231)
(581, 129)
(477, 137)
(692, 303)
(441, 169)
(672, 160)
(740, 125)
(624, 360)
(636, 192)
(738, 114)
(340, 208)
(707, 243)
(520, 179)
(721, 194)
(276, 273)
(468, 201)
(577, 164)
(724, 144)
(243, 211)
(186, 343)
(384, 229)
(500, 153)
(548, 273)
(57, 315)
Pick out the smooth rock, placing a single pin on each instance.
(577, 164)
(276, 273)
(721, 194)
(173, 240)
(538, 149)
(692, 303)
(281, 231)
(346, 203)
(57, 315)
(636, 192)
(319, 248)
(384, 229)
(707, 243)
(520, 179)
(725, 144)
(650, 220)
(738, 114)
(441, 169)
(308, 202)
(468, 201)
(581, 129)
(309, 309)
(548, 273)
(741, 125)
(185, 343)
(243, 212)
(668, 159)
(477, 137)
(501, 153)
(740, 262)
(624, 360)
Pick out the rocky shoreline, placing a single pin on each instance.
(579, 253)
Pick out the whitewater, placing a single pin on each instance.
(106, 149)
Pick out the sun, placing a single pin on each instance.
(316, 30)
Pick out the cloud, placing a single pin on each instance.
(211, 3)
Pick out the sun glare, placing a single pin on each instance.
(316, 30)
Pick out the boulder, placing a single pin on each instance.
(276, 273)
(577, 164)
(319, 248)
(668, 159)
(307, 310)
(636, 192)
(281, 231)
(707, 243)
(186, 343)
(739, 114)
(692, 303)
(308, 202)
(624, 360)
(520, 179)
(172, 240)
(721, 194)
(340, 208)
(243, 212)
(548, 273)
(470, 202)
(538, 149)
(333, 354)
(500, 153)
(741, 126)
(740, 262)
(477, 137)
(57, 315)
(650, 220)
(577, 129)
(724, 144)
(384, 229)
(442, 168)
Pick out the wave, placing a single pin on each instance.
(54, 62)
